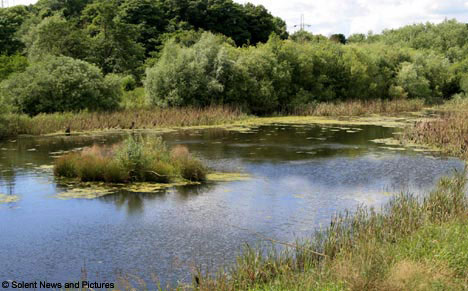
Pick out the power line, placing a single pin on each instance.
(303, 25)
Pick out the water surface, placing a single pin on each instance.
(301, 176)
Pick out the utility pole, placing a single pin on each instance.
(302, 25)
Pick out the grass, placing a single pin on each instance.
(448, 132)
(135, 160)
(412, 244)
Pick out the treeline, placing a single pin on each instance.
(280, 76)
(119, 35)
(73, 55)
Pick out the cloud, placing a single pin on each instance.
(361, 16)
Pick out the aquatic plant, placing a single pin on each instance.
(359, 108)
(365, 250)
(448, 132)
(149, 118)
(137, 159)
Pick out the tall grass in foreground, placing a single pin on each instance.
(448, 132)
(135, 160)
(359, 108)
(124, 119)
(366, 250)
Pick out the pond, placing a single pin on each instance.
(301, 175)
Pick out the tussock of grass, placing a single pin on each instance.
(135, 160)
(360, 108)
(412, 244)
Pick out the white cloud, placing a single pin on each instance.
(356, 16)
(361, 16)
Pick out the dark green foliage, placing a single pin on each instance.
(55, 35)
(58, 84)
(69, 8)
(339, 38)
(113, 42)
(11, 20)
(11, 64)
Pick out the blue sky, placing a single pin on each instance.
(357, 16)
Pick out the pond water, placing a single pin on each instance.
(301, 176)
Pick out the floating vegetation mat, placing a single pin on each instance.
(227, 177)
(395, 144)
(4, 199)
(93, 190)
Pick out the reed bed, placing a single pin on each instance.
(124, 119)
(361, 108)
(448, 132)
(365, 250)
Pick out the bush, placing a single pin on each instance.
(189, 75)
(66, 166)
(58, 84)
(193, 170)
(135, 160)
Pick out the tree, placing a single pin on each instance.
(149, 19)
(12, 64)
(56, 36)
(68, 8)
(412, 81)
(338, 38)
(113, 41)
(357, 38)
(192, 75)
(58, 84)
(11, 20)
(302, 36)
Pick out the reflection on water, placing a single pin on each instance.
(302, 175)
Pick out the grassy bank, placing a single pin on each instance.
(412, 244)
(156, 118)
(448, 132)
(135, 160)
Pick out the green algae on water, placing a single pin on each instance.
(227, 177)
(93, 190)
(5, 199)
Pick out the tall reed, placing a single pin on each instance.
(448, 132)
(124, 119)
(359, 108)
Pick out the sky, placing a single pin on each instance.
(356, 16)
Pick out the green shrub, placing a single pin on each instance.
(128, 83)
(58, 84)
(67, 166)
(193, 170)
(160, 172)
(114, 172)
